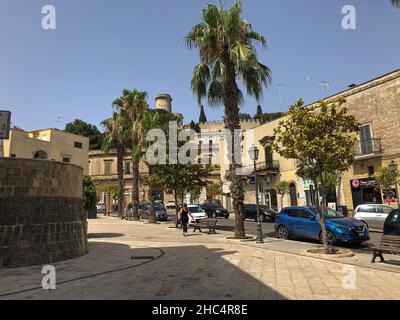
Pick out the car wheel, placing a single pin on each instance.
(331, 238)
(282, 232)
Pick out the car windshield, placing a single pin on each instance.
(159, 206)
(195, 209)
(330, 213)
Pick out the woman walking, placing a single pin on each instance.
(184, 218)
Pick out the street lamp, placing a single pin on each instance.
(393, 166)
(254, 153)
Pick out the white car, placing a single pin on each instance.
(197, 212)
(170, 206)
(101, 207)
(373, 215)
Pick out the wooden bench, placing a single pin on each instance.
(206, 223)
(389, 244)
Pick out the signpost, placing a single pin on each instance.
(5, 120)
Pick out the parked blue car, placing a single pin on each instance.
(303, 222)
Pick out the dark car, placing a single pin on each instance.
(266, 214)
(392, 223)
(213, 210)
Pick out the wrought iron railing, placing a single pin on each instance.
(367, 147)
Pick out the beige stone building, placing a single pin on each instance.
(48, 144)
(376, 105)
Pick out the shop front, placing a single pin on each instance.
(365, 191)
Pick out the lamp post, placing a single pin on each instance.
(254, 153)
(393, 166)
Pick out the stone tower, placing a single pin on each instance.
(163, 101)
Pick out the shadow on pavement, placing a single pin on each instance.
(110, 272)
(104, 235)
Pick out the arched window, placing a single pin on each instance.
(41, 154)
(293, 194)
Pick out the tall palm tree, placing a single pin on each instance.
(148, 120)
(396, 3)
(134, 103)
(117, 132)
(227, 56)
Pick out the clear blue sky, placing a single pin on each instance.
(103, 46)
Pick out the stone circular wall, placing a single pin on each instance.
(41, 212)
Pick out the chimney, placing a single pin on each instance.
(352, 86)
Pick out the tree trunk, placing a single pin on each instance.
(152, 213)
(282, 201)
(321, 211)
(232, 123)
(135, 183)
(339, 191)
(120, 170)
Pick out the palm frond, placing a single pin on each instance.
(396, 3)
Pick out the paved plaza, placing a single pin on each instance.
(136, 260)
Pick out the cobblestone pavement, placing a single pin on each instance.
(136, 260)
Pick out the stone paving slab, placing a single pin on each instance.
(196, 267)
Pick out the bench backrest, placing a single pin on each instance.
(391, 242)
(209, 222)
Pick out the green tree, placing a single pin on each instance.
(244, 116)
(134, 104)
(195, 126)
(85, 129)
(321, 137)
(213, 190)
(151, 119)
(259, 113)
(179, 179)
(386, 181)
(117, 135)
(282, 188)
(202, 117)
(89, 193)
(228, 54)
(266, 117)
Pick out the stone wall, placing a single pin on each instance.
(41, 212)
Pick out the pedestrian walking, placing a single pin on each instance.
(184, 218)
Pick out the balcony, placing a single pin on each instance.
(367, 148)
(263, 167)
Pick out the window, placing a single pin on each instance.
(268, 155)
(304, 214)
(395, 217)
(384, 209)
(292, 212)
(371, 171)
(67, 160)
(366, 139)
(127, 167)
(78, 145)
(107, 167)
(368, 209)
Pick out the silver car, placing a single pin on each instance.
(373, 215)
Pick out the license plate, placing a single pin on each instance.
(361, 234)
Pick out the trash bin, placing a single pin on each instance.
(92, 214)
